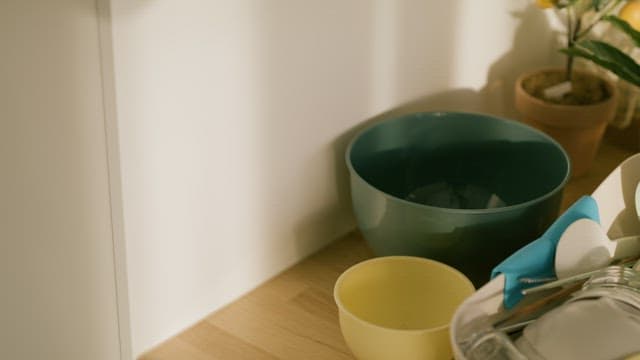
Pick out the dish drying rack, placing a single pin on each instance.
(525, 286)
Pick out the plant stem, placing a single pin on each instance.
(572, 38)
(570, 44)
(608, 8)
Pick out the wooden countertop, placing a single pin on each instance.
(293, 315)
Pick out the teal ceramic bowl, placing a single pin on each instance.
(461, 188)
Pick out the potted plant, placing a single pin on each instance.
(617, 60)
(572, 106)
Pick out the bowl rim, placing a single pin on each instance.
(553, 192)
(343, 309)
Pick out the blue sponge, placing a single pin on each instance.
(536, 259)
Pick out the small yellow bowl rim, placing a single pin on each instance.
(342, 308)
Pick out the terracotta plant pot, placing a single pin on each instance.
(578, 128)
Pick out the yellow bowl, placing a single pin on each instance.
(399, 307)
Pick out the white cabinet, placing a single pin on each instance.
(57, 282)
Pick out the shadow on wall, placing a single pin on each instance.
(503, 73)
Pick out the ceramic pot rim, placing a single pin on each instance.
(564, 107)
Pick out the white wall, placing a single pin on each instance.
(58, 297)
(233, 118)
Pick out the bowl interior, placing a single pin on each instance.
(404, 293)
(458, 160)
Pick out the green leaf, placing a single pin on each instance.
(609, 58)
(625, 66)
(610, 53)
(624, 26)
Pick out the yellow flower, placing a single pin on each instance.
(631, 14)
(545, 4)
